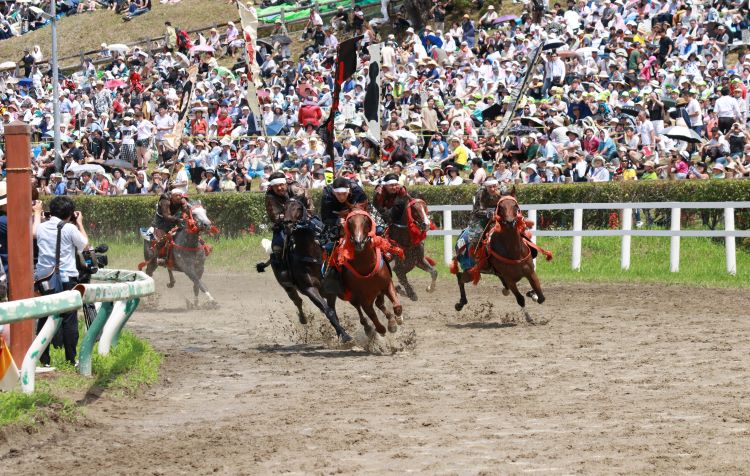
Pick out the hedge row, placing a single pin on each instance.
(236, 213)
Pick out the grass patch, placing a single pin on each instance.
(702, 260)
(129, 367)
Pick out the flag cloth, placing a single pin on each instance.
(172, 139)
(372, 91)
(346, 65)
(9, 378)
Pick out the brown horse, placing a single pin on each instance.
(409, 233)
(507, 253)
(366, 275)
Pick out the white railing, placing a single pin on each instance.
(626, 232)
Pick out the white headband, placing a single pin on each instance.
(277, 181)
(391, 182)
(490, 182)
(341, 190)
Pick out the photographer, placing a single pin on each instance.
(64, 224)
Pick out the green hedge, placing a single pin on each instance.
(236, 213)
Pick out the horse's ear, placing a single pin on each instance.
(512, 192)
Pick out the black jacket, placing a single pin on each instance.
(330, 206)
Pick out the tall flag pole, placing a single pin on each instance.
(249, 20)
(172, 139)
(346, 65)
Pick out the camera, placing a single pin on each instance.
(90, 261)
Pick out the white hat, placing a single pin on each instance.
(531, 166)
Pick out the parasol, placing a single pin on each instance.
(504, 18)
(78, 169)
(519, 130)
(222, 71)
(182, 58)
(305, 90)
(492, 112)
(403, 134)
(115, 83)
(117, 164)
(683, 134)
(118, 48)
(25, 82)
(553, 44)
(280, 39)
(630, 110)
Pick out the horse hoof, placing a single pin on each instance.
(413, 297)
(346, 338)
(212, 305)
(369, 332)
(170, 285)
(527, 316)
(541, 299)
(400, 320)
(506, 292)
(533, 296)
(430, 289)
(459, 306)
(302, 318)
(392, 326)
(400, 290)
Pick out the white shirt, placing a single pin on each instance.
(694, 112)
(71, 240)
(182, 177)
(726, 106)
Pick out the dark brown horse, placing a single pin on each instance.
(303, 258)
(507, 253)
(366, 275)
(409, 233)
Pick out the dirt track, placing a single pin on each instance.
(614, 383)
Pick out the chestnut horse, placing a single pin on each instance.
(303, 258)
(507, 252)
(409, 233)
(365, 273)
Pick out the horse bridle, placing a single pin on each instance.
(359, 211)
(499, 220)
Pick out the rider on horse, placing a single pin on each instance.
(386, 195)
(280, 189)
(338, 199)
(168, 214)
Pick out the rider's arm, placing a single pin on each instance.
(273, 210)
(166, 213)
(327, 213)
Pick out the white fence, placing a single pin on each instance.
(626, 232)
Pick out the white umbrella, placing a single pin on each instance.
(183, 58)
(7, 65)
(585, 52)
(37, 10)
(409, 136)
(118, 48)
(78, 169)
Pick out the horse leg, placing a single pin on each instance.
(313, 295)
(370, 311)
(506, 291)
(362, 320)
(425, 266)
(400, 272)
(519, 299)
(380, 304)
(462, 278)
(171, 282)
(291, 291)
(397, 308)
(195, 276)
(536, 286)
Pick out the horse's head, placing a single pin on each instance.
(294, 212)
(417, 213)
(359, 225)
(200, 217)
(508, 212)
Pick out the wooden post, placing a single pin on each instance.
(674, 247)
(20, 261)
(283, 20)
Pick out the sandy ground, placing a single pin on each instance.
(621, 380)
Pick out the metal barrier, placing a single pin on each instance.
(118, 291)
(626, 232)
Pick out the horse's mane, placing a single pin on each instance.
(399, 207)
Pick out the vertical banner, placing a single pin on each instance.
(249, 20)
(172, 139)
(372, 91)
(346, 65)
(519, 92)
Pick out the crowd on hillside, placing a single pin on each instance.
(636, 90)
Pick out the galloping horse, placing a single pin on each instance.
(184, 251)
(366, 274)
(303, 259)
(409, 233)
(506, 252)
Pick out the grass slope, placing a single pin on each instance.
(88, 30)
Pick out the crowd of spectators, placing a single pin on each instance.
(612, 79)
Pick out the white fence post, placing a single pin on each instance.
(447, 239)
(532, 218)
(730, 242)
(674, 248)
(627, 224)
(577, 226)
